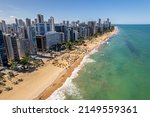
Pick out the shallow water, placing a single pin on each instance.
(120, 69)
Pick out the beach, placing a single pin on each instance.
(40, 84)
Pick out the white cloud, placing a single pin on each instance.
(12, 17)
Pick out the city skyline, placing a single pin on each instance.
(120, 12)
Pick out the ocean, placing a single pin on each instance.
(119, 69)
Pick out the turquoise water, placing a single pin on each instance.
(121, 69)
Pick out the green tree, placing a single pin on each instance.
(24, 60)
(68, 45)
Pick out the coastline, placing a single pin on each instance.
(43, 82)
(58, 83)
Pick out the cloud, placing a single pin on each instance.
(12, 17)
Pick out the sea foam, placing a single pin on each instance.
(69, 88)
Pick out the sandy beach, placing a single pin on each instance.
(40, 84)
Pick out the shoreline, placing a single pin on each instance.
(58, 83)
(43, 82)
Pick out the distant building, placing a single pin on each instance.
(40, 18)
(9, 49)
(21, 23)
(67, 23)
(32, 39)
(107, 24)
(42, 28)
(64, 23)
(73, 34)
(92, 26)
(52, 25)
(3, 54)
(35, 21)
(15, 47)
(64, 29)
(3, 26)
(28, 22)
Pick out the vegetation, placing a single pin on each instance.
(112, 28)
(25, 60)
(8, 88)
(1, 76)
(69, 45)
(2, 84)
(20, 80)
(13, 65)
(15, 83)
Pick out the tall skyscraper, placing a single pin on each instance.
(4, 27)
(16, 21)
(99, 22)
(3, 54)
(35, 20)
(9, 49)
(15, 47)
(40, 18)
(64, 23)
(92, 26)
(21, 23)
(52, 25)
(67, 23)
(1, 27)
(28, 22)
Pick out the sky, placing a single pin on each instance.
(119, 11)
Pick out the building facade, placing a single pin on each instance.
(3, 54)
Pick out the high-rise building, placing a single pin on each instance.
(41, 43)
(9, 49)
(15, 47)
(28, 22)
(52, 25)
(76, 35)
(35, 20)
(21, 23)
(1, 27)
(17, 24)
(16, 21)
(40, 18)
(62, 28)
(52, 38)
(67, 23)
(3, 54)
(99, 22)
(92, 26)
(4, 26)
(31, 37)
(64, 23)
(42, 28)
